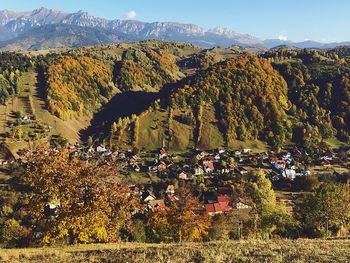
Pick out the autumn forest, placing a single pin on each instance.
(167, 142)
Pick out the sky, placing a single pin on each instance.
(297, 20)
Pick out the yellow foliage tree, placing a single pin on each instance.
(77, 85)
(90, 203)
(184, 220)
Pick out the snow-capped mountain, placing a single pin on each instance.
(17, 29)
(13, 24)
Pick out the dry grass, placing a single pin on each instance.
(211, 137)
(255, 145)
(232, 251)
(152, 130)
(182, 133)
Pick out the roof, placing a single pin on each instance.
(162, 150)
(157, 204)
(210, 208)
(223, 198)
(242, 201)
(224, 207)
(208, 165)
(218, 207)
(170, 187)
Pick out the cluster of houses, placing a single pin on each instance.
(212, 204)
(213, 165)
(284, 166)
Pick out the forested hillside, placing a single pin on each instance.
(199, 98)
(149, 67)
(12, 65)
(284, 97)
(77, 85)
(319, 88)
(250, 98)
(95, 130)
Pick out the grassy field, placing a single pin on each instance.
(30, 102)
(211, 137)
(231, 251)
(182, 133)
(335, 143)
(69, 129)
(255, 145)
(152, 130)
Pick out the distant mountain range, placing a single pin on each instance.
(48, 28)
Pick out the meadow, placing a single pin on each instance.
(280, 250)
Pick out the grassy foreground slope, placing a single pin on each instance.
(231, 251)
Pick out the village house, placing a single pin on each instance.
(201, 155)
(224, 170)
(161, 167)
(136, 167)
(242, 204)
(106, 153)
(198, 170)
(26, 118)
(155, 205)
(278, 163)
(326, 164)
(289, 173)
(101, 149)
(162, 153)
(52, 208)
(221, 150)
(326, 158)
(274, 176)
(170, 190)
(286, 156)
(184, 176)
(241, 170)
(217, 157)
(146, 196)
(3, 162)
(221, 206)
(208, 166)
(114, 155)
(246, 150)
(121, 156)
(237, 153)
(305, 172)
(72, 149)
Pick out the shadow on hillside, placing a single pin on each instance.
(41, 85)
(124, 105)
(120, 106)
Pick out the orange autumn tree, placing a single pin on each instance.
(91, 204)
(251, 99)
(184, 220)
(77, 86)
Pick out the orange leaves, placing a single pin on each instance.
(93, 206)
(237, 85)
(146, 69)
(184, 220)
(77, 85)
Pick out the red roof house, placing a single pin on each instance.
(222, 206)
(223, 199)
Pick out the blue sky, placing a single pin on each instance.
(298, 20)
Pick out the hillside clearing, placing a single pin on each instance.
(30, 101)
(152, 134)
(211, 137)
(182, 134)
